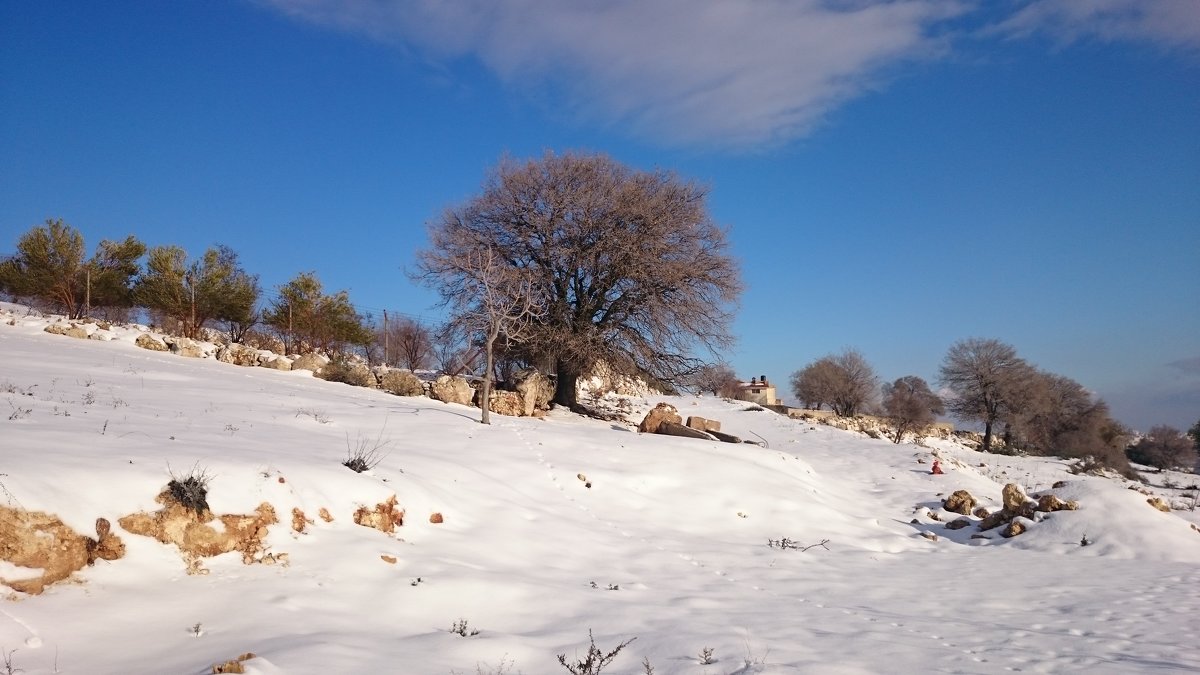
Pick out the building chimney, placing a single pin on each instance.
(763, 378)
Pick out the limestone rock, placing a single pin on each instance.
(401, 383)
(238, 355)
(676, 429)
(1159, 503)
(703, 424)
(504, 403)
(663, 412)
(196, 538)
(148, 341)
(436, 518)
(1051, 503)
(310, 361)
(995, 520)
(1013, 529)
(354, 374)
(958, 523)
(277, 363)
(960, 501)
(1014, 497)
(724, 437)
(183, 347)
(981, 512)
(384, 517)
(452, 389)
(70, 330)
(535, 390)
(41, 541)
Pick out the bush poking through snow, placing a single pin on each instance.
(365, 454)
(191, 489)
(461, 627)
(9, 668)
(706, 656)
(595, 660)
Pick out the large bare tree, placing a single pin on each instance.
(491, 301)
(987, 380)
(630, 268)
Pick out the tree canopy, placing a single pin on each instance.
(212, 287)
(310, 319)
(628, 266)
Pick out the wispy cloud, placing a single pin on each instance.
(738, 74)
(1168, 23)
(1189, 366)
(714, 72)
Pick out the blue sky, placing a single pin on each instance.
(895, 176)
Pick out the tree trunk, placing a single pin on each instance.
(485, 394)
(566, 386)
(987, 436)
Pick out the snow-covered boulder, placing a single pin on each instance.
(448, 389)
(148, 341)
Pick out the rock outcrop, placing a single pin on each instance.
(41, 541)
(401, 383)
(535, 390)
(313, 362)
(196, 534)
(385, 517)
(148, 341)
(183, 347)
(70, 330)
(238, 354)
(451, 389)
(663, 412)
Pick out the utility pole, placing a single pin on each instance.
(87, 295)
(192, 285)
(385, 339)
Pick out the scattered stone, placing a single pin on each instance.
(401, 383)
(663, 412)
(310, 361)
(1014, 497)
(385, 517)
(324, 515)
(980, 536)
(148, 341)
(702, 424)
(299, 522)
(981, 512)
(930, 536)
(958, 523)
(960, 501)
(582, 477)
(1058, 484)
(1049, 503)
(436, 518)
(676, 429)
(448, 389)
(1159, 503)
(70, 330)
(1013, 529)
(234, 666)
(389, 559)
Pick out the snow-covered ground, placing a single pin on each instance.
(668, 545)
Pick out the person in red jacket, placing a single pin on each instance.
(937, 468)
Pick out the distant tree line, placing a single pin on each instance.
(1019, 407)
(186, 296)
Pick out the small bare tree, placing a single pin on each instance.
(846, 382)
(910, 405)
(491, 301)
(718, 378)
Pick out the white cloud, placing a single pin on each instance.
(1171, 23)
(724, 73)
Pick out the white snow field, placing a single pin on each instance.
(669, 545)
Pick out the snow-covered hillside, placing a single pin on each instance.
(668, 545)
